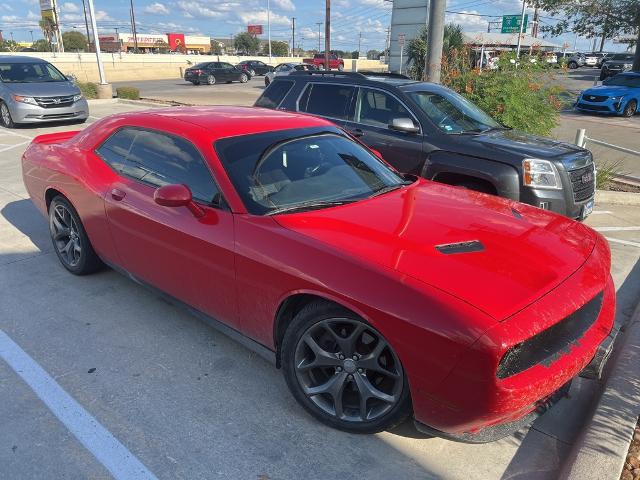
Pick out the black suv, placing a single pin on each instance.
(616, 63)
(426, 129)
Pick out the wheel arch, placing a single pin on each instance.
(51, 192)
(292, 303)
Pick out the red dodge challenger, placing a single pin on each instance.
(380, 295)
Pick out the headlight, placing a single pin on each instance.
(540, 174)
(21, 99)
(77, 98)
(628, 65)
(616, 99)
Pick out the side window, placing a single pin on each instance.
(327, 100)
(274, 94)
(378, 108)
(114, 150)
(225, 65)
(160, 159)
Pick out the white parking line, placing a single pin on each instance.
(4, 149)
(115, 457)
(601, 212)
(5, 131)
(617, 229)
(623, 242)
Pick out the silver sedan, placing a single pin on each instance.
(286, 69)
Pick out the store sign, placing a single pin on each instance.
(401, 39)
(176, 41)
(46, 5)
(254, 29)
(511, 23)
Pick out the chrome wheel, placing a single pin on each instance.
(66, 236)
(211, 80)
(348, 370)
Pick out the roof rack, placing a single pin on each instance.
(371, 73)
(327, 73)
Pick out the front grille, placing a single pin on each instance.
(597, 108)
(547, 346)
(583, 183)
(595, 98)
(55, 102)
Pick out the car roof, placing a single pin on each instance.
(20, 59)
(229, 121)
(354, 78)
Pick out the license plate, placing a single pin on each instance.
(587, 209)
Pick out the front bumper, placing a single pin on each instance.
(27, 113)
(473, 398)
(608, 106)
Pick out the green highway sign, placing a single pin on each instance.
(511, 23)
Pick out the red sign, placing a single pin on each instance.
(254, 29)
(176, 41)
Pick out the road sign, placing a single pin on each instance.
(511, 23)
(401, 38)
(254, 29)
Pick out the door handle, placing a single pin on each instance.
(356, 132)
(117, 194)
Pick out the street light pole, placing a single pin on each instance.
(327, 34)
(524, 7)
(134, 29)
(269, 26)
(86, 24)
(319, 36)
(104, 89)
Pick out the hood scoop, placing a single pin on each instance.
(461, 247)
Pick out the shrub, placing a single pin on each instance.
(88, 89)
(130, 93)
(606, 172)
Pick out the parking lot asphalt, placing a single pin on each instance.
(185, 401)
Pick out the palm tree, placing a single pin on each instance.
(48, 27)
(416, 49)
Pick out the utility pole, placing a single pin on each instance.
(327, 34)
(536, 23)
(319, 36)
(387, 47)
(11, 33)
(293, 36)
(359, 43)
(118, 40)
(86, 24)
(269, 26)
(435, 40)
(31, 32)
(524, 7)
(104, 89)
(133, 28)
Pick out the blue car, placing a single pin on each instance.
(618, 95)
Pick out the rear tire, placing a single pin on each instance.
(354, 381)
(630, 109)
(572, 65)
(70, 240)
(211, 80)
(5, 116)
(244, 78)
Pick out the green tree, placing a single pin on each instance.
(416, 48)
(48, 27)
(373, 54)
(74, 41)
(41, 45)
(278, 48)
(355, 54)
(216, 47)
(246, 43)
(9, 46)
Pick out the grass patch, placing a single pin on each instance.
(606, 173)
(130, 93)
(88, 89)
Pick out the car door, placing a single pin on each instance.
(230, 72)
(374, 111)
(261, 68)
(333, 101)
(189, 258)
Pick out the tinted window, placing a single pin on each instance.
(30, 73)
(328, 100)
(159, 159)
(624, 81)
(274, 94)
(224, 65)
(622, 57)
(300, 168)
(378, 108)
(115, 149)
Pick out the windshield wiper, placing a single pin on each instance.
(308, 206)
(389, 188)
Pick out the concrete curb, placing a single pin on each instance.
(599, 452)
(149, 102)
(618, 198)
(102, 101)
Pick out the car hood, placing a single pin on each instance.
(521, 144)
(43, 89)
(607, 90)
(526, 251)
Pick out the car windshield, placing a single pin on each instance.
(30, 73)
(623, 81)
(453, 113)
(302, 169)
(623, 58)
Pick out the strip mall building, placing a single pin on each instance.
(154, 43)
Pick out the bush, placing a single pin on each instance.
(88, 89)
(606, 172)
(130, 93)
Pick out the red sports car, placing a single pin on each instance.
(380, 295)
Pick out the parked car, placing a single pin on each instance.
(286, 68)
(602, 57)
(335, 63)
(577, 60)
(590, 59)
(618, 95)
(428, 130)
(255, 67)
(34, 91)
(380, 295)
(616, 63)
(214, 72)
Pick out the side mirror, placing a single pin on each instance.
(403, 124)
(177, 196)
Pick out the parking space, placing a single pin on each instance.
(188, 403)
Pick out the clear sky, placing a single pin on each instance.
(221, 18)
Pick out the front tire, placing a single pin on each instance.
(572, 65)
(343, 371)
(5, 116)
(70, 240)
(630, 109)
